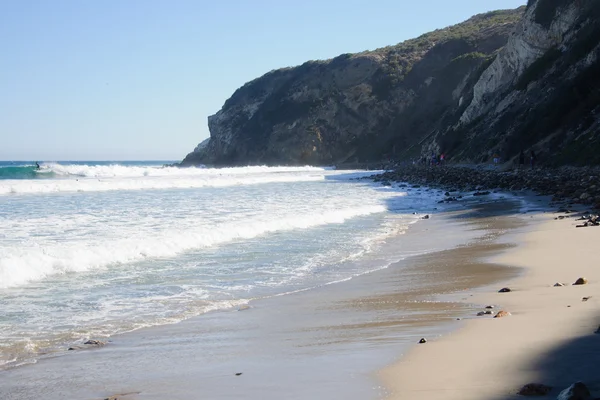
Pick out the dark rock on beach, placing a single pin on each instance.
(423, 340)
(535, 389)
(581, 281)
(577, 391)
(504, 290)
(560, 183)
(88, 345)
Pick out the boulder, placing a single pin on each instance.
(577, 391)
(534, 389)
(504, 290)
(501, 314)
(581, 281)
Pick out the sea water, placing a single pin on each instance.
(93, 249)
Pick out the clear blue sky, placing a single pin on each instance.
(136, 79)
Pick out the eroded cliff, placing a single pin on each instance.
(499, 82)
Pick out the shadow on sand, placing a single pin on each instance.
(573, 361)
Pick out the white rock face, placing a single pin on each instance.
(528, 43)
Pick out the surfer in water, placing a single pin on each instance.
(37, 165)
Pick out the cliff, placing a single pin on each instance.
(499, 82)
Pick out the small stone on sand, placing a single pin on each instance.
(581, 281)
(534, 389)
(501, 314)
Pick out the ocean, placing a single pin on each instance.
(89, 250)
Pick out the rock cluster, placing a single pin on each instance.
(568, 184)
(590, 220)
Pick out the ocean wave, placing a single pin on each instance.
(26, 264)
(94, 178)
(25, 172)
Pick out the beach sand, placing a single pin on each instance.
(548, 339)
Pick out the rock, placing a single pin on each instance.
(504, 290)
(581, 281)
(481, 313)
(481, 193)
(423, 340)
(558, 284)
(95, 343)
(88, 344)
(586, 298)
(243, 307)
(238, 373)
(577, 391)
(488, 312)
(425, 217)
(501, 314)
(489, 306)
(535, 389)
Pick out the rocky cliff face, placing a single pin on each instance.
(542, 92)
(498, 82)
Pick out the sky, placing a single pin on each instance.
(137, 79)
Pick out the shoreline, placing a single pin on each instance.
(548, 339)
(316, 321)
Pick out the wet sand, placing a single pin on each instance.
(322, 343)
(548, 339)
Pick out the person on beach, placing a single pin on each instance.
(532, 159)
(521, 160)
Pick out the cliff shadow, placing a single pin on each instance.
(574, 360)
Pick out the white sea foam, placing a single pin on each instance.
(119, 256)
(19, 265)
(80, 178)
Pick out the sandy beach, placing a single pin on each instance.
(548, 339)
(327, 342)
